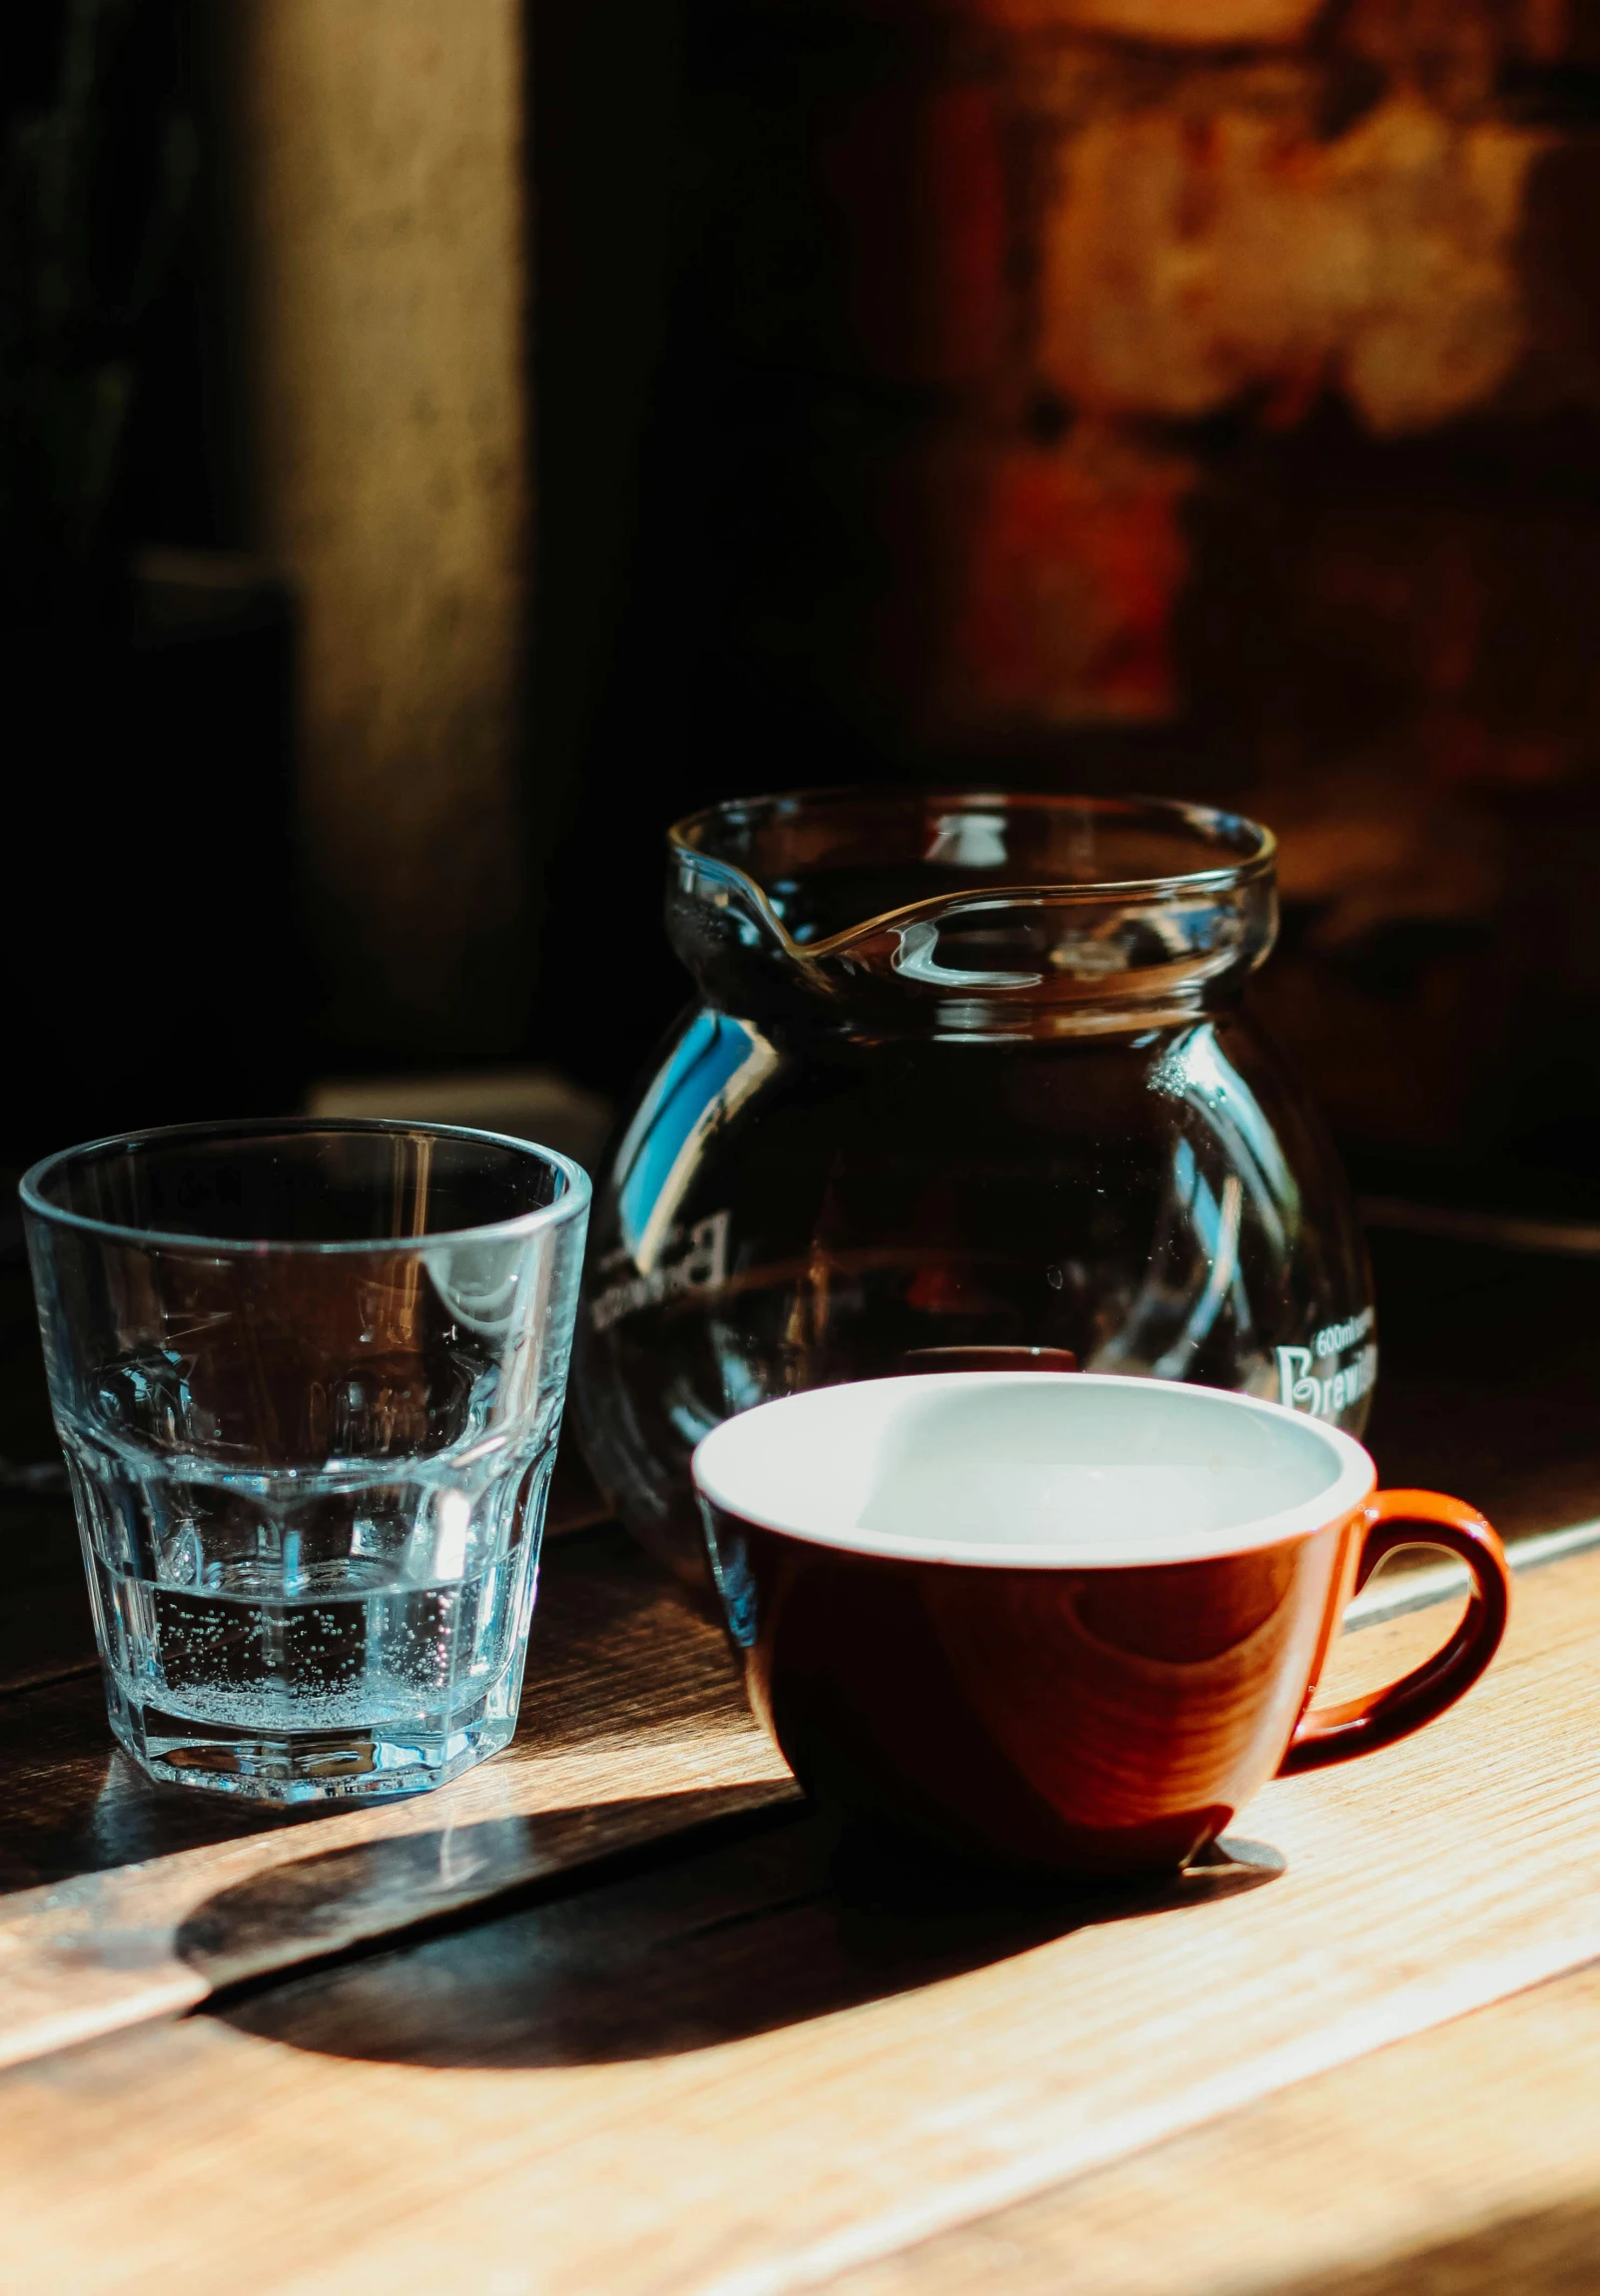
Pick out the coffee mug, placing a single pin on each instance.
(1063, 1619)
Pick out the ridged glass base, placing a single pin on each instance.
(292, 1766)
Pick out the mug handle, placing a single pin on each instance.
(1414, 1519)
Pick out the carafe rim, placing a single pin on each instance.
(1208, 823)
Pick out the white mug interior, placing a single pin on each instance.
(1032, 1469)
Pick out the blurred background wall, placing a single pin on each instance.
(372, 169)
(572, 414)
(1197, 394)
(264, 462)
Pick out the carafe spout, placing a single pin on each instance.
(972, 912)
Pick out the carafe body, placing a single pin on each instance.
(968, 1072)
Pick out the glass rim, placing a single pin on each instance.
(1207, 822)
(566, 1206)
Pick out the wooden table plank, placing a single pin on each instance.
(607, 1629)
(746, 2072)
(129, 1900)
(632, 1727)
(1465, 2161)
(632, 1731)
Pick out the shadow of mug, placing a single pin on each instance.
(744, 1926)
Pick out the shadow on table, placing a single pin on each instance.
(1552, 2251)
(761, 1923)
(327, 1905)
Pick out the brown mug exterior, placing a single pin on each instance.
(1092, 1720)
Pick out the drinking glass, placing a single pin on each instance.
(308, 1378)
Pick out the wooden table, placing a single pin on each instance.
(614, 2014)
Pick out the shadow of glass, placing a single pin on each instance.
(763, 1925)
(313, 1909)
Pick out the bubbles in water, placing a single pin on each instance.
(314, 1600)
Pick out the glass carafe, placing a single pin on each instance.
(969, 1080)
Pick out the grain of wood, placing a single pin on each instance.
(1465, 2161)
(612, 1646)
(747, 2073)
(633, 1731)
(632, 1727)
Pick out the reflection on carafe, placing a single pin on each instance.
(968, 1072)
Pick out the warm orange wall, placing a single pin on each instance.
(1219, 378)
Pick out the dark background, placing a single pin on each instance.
(754, 535)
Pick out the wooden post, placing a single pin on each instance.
(377, 195)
